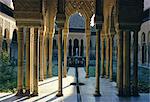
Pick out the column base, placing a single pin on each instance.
(27, 93)
(97, 94)
(87, 76)
(45, 77)
(41, 79)
(50, 76)
(111, 80)
(106, 76)
(65, 76)
(34, 94)
(19, 92)
(102, 76)
(59, 94)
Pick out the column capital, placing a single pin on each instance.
(102, 36)
(107, 36)
(111, 36)
(88, 35)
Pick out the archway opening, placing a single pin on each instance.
(70, 47)
(5, 40)
(76, 48)
(143, 48)
(14, 46)
(149, 48)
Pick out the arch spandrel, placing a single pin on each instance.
(86, 8)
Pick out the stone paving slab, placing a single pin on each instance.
(108, 91)
(48, 90)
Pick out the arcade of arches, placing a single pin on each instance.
(38, 17)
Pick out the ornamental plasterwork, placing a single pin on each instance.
(85, 7)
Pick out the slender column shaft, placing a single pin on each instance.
(111, 57)
(120, 62)
(126, 63)
(87, 31)
(50, 55)
(107, 56)
(41, 56)
(102, 57)
(27, 61)
(0, 40)
(45, 57)
(135, 65)
(87, 52)
(59, 63)
(65, 55)
(31, 57)
(20, 61)
(35, 70)
(72, 47)
(97, 89)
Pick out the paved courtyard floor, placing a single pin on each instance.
(48, 90)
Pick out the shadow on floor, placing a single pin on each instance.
(48, 82)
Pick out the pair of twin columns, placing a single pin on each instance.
(123, 62)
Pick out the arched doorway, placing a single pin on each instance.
(14, 46)
(54, 48)
(149, 48)
(76, 47)
(70, 47)
(5, 40)
(143, 48)
(82, 48)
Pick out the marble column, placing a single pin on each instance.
(50, 54)
(35, 70)
(1, 40)
(27, 61)
(120, 62)
(102, 57)
(45, 56)
(107, 56)
(88, 33)
(41, 56)
(59, 63)
(126, 63)
(72, 46)
(135, 64)
(111, 58)
(20, 62)
(97, 89)
(65, 54)
(31, 57)
(87, 52)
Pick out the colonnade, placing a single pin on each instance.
(123, 61)
(31, 82)
(37, 58)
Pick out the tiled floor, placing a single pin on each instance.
(48, 90)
